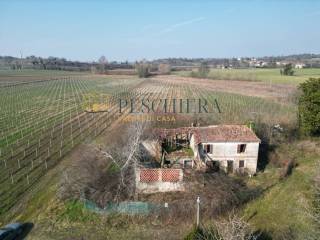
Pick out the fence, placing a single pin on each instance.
(130, 208)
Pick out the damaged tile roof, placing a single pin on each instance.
(213, 133)
(224, 133)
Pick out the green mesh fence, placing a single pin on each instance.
(123, 207)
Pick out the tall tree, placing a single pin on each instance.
(103, 62)
(309, 107)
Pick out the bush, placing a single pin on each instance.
(204, 70)
(232, 228)
(309, 107)
(287, 168)
(287, 70)
(195, 234)
(75, 212)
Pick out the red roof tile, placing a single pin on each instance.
(225, 133)
(213, 133)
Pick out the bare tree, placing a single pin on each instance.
(85, 176)
(126, 159)
(103, 62)
(143, 69)
(164, 68)
(232, 228)
(103, 175)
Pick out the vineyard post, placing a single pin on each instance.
(11, 177)
(71, 135)
(95, 129)
(198, 211)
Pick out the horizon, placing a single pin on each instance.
(155, 59)
(136, 30)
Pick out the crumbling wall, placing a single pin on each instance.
(150, 180)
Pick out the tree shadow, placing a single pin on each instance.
(262, 235)
(26, 229)
(264, 155)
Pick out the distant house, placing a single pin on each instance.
(299, 65)
(232, 148)
(258, 64)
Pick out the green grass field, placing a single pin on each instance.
(264, 75)
(282, 210)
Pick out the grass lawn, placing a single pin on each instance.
(264, 75)
(281, 211)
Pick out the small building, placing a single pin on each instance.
(232, 148)
(299, 65)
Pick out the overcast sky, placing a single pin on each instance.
(133, 30)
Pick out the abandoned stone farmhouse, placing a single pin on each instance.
(228, 148)
(232, 148)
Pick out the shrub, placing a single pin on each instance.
(195, 234)
(309, 107)
(287, 168)
(287, 70)
(204, 70)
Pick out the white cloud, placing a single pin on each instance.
(173, 27)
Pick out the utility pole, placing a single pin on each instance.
(198, 211)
